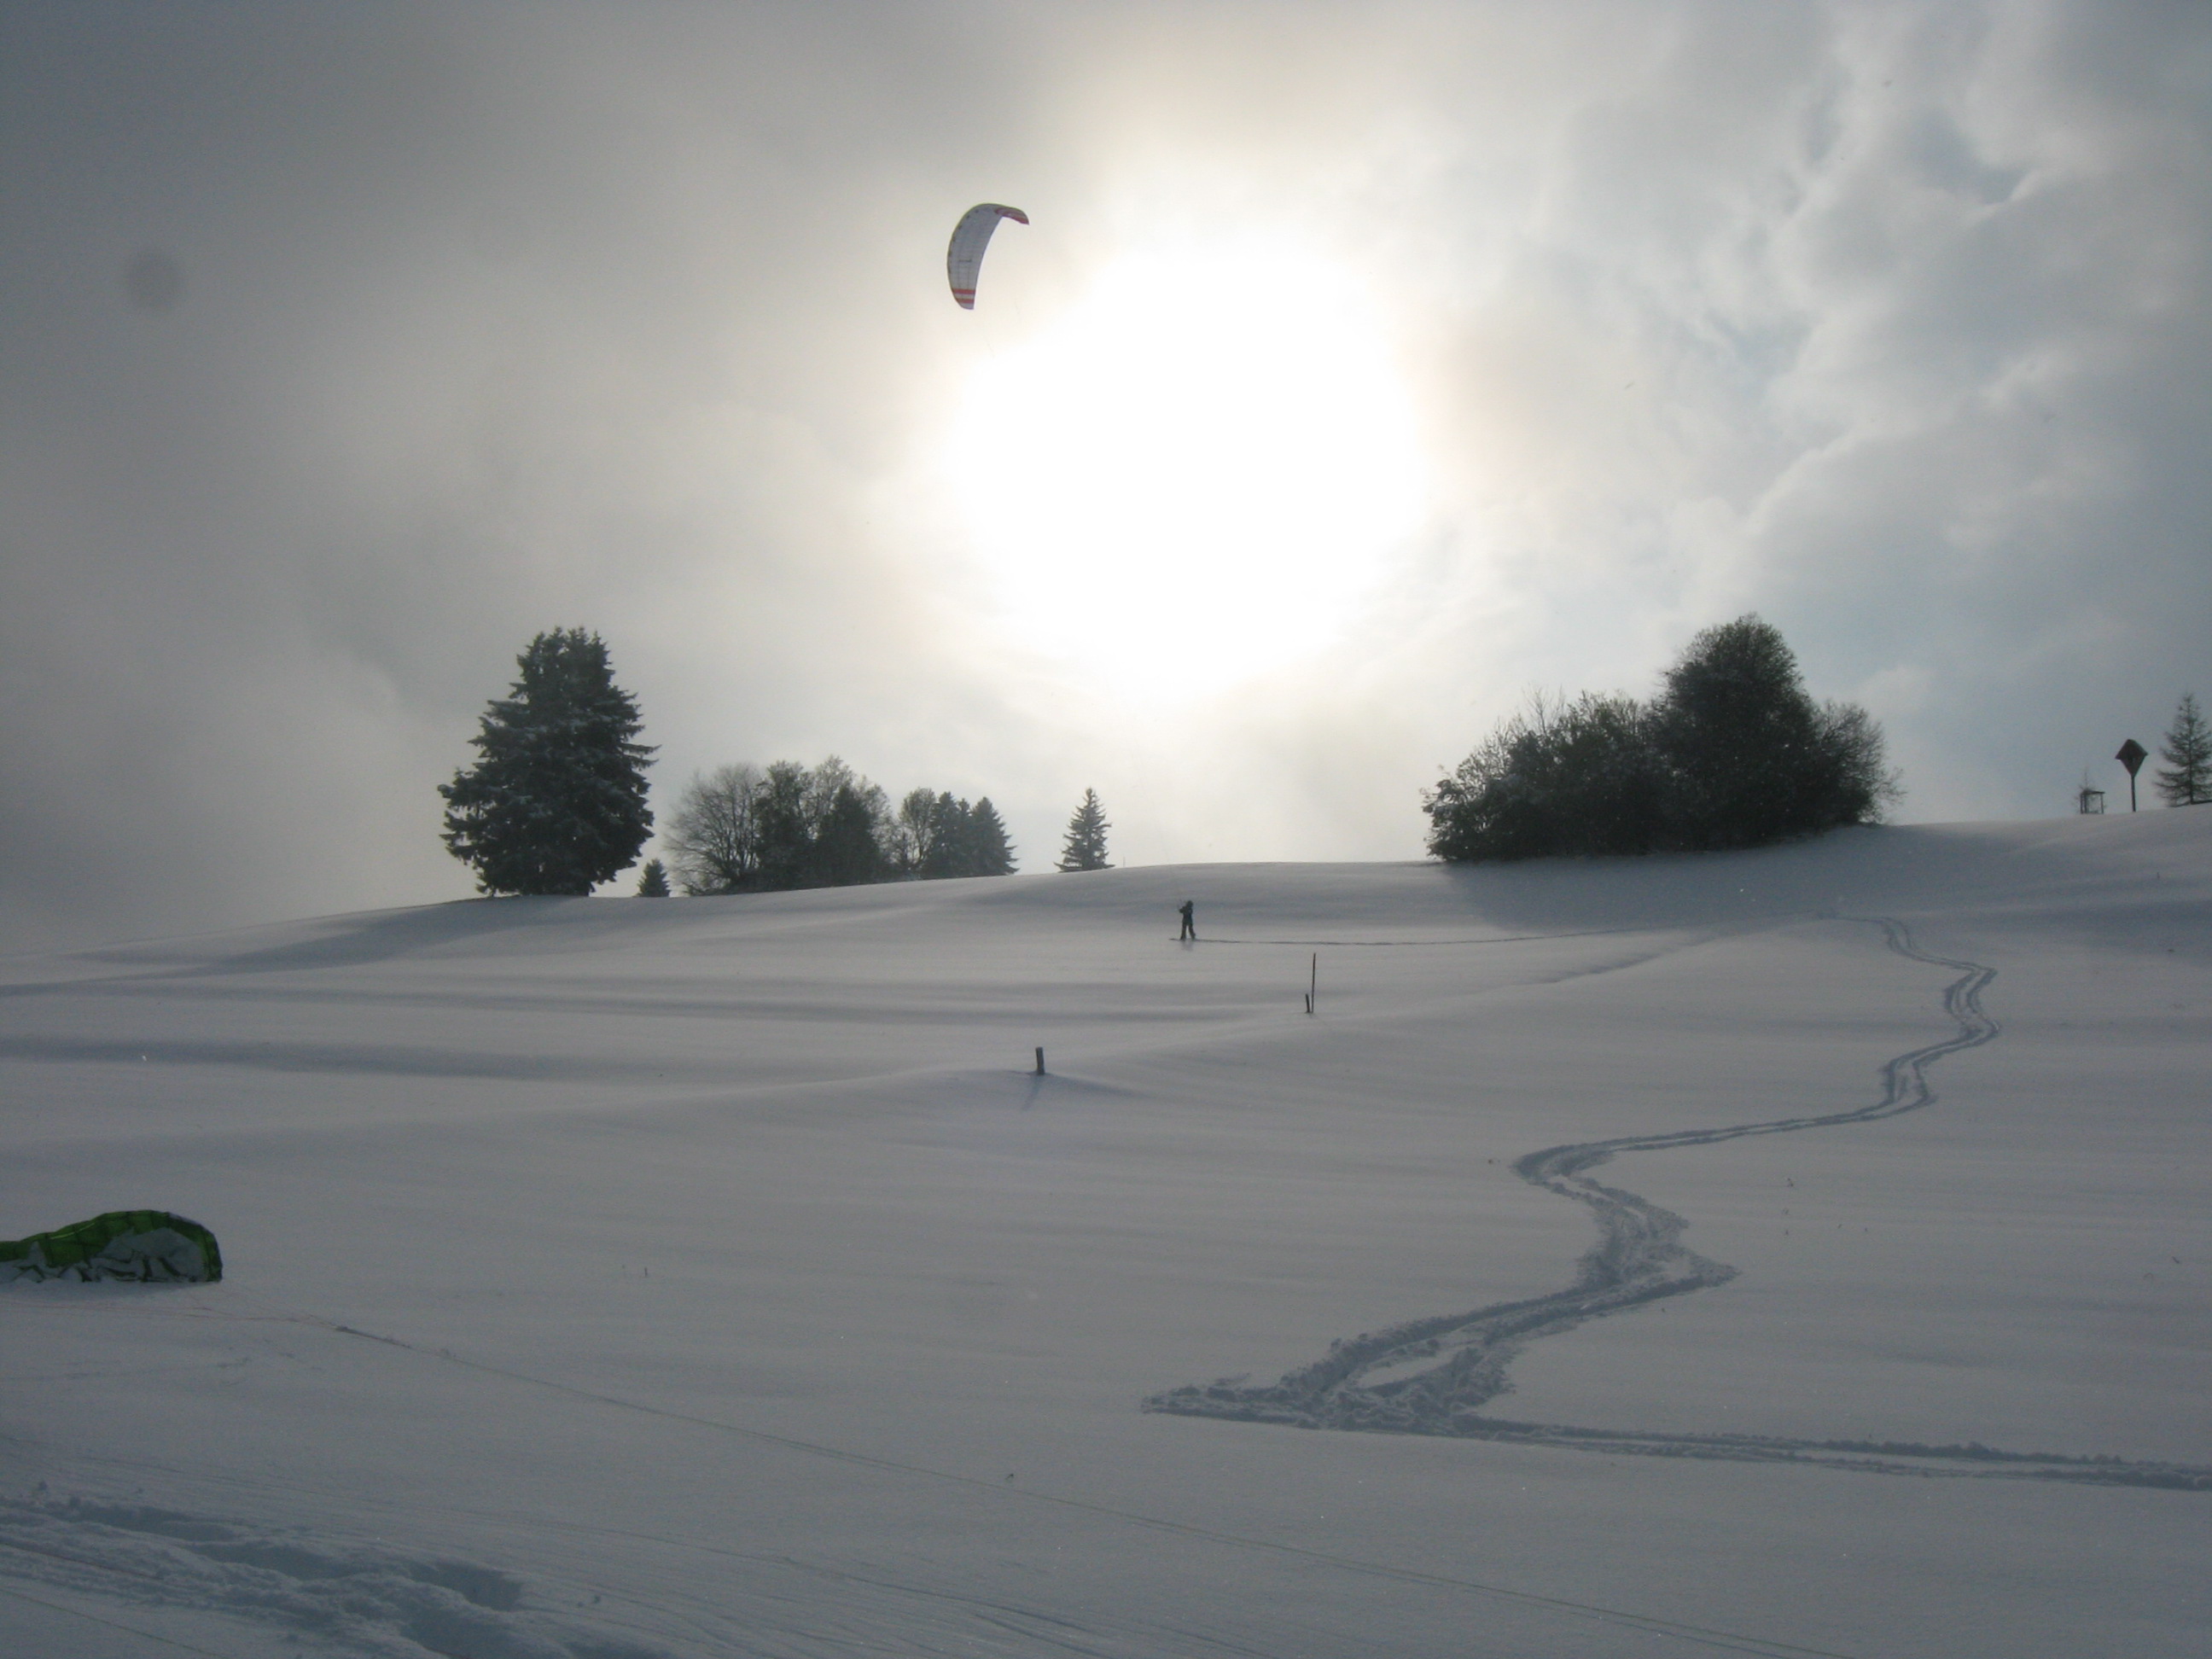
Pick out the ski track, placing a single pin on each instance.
(1639, 1258)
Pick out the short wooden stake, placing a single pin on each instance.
(1040, 1070)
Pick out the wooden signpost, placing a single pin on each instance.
(2132, 754)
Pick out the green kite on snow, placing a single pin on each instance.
(148, 1247)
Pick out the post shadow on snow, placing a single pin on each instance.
(1019, 1090)
(1051, 1088)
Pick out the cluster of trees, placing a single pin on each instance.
(1732, 752)
(745, 830)
(555, 803)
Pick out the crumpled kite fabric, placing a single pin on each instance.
(963, 260)
(146, 1247)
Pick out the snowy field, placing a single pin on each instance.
(613, 1277)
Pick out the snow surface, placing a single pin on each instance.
(620, 1278)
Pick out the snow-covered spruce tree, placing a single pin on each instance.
(653, 880)
(1086, 836)
(555, 801)
(2185, 779)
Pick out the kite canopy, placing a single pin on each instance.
(147, 1247)
(964, 258)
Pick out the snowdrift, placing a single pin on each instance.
(1791, 1252)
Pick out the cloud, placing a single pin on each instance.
(344, 350)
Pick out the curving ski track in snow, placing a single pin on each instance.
(1433, 1376)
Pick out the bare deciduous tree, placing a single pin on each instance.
(713, 837)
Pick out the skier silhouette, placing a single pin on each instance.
(1189, 926)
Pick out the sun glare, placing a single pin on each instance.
(1193, 474)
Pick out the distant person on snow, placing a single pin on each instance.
(1189, 926)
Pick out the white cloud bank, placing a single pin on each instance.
(342, 351)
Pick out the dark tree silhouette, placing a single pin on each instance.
(1751, 757)
(966, 840)
(1085, 847)
(785, 826)
(844, 850)
(713, 837)
(826, 827)
(555, 801)
(1732, 753)
(653, 880)
(990, 852)
(1574, 777)
(738, 830)
(947, 852)
(2185, 779)
(913, 831)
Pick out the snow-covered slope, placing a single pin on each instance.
(619, 1278)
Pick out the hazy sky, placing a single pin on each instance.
(1363, 368)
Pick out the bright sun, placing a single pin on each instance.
(1192, 474)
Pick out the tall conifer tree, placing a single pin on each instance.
(989, 852)
(949, 827)
(555, 801)
(2185, 779)
(1085, 848)
(845, 853)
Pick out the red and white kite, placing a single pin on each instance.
(964, 258)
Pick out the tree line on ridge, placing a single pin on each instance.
(1730, 752)
(556, 803)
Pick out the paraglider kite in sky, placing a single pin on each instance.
(969, 238)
